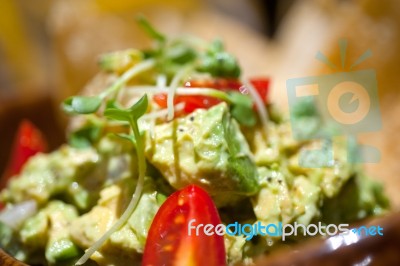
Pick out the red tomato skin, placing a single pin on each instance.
(160, 99)
(28, 141)
(262, 87)
(169, 242)
(194, 102)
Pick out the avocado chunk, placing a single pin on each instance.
(49, 230)
(292, 194)
(46, 175)
(273, 203)
(359, 198)
(205, 148)
(124, 245)
(73, 175)
(10, 242)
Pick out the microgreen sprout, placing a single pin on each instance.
(90, 104)
(130, 115)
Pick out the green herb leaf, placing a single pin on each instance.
(120, 61)
(220, 64)
(134, 112)
(117, 114)
(85, 136)
(216, 46)
(131, 115)
(180, 53)
(82, 104)
(67, 106)
(242, 109)
(147, 27)
(112, 104)
(239, 165)
(128, 137)
(245, 116)
(139, 108)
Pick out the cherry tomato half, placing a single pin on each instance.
(172, 242)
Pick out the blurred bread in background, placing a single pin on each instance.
(82, 30)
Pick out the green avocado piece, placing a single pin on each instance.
(359, 198)
(205, 148)
(49, 230)
(273, 203)
(61, 250)
(10, 242)
(75, 175)
(125, 244)
(46, 175)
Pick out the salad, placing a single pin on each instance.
(169, 136)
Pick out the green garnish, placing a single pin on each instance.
(82, 104)
(150, 30)
(130, 115)
(218, 62)
(241, 105)
(87, 135)
(120, 61)
(90, 104)
(242, 109)
(171, 59)
(168, 58)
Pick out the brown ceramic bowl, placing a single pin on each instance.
(345, 250)
(7, 260)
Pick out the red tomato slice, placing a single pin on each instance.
(218, 83)
(161, 99)
(28, 141)
(194, 102)
(262, 87)
(168, 241)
